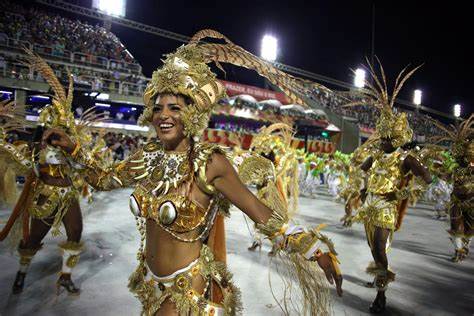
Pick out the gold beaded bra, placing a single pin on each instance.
(159, 193)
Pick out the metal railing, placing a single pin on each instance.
(80, 58)
(21, 71)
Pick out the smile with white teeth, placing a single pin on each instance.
(166, 126)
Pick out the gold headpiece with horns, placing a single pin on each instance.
(186, 72)
(391, 125)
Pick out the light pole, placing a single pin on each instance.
(457, 113)
(417, 99)
(359, 78)
(269, 48)
(268, 51)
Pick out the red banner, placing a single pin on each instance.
(228, 139)
(233, 88)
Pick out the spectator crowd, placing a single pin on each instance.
(62, 34)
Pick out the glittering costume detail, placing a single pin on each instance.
(51, 201)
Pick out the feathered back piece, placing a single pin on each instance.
(12, 116)
(231, 53)
(59, 114)
(86, 121)
(389, 125)
(461, 138)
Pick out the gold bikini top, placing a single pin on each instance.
(385, 175)
(158, 195)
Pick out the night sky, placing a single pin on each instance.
(326, 37)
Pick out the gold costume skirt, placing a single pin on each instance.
(177, 287)
(49, 200)
(378, 212)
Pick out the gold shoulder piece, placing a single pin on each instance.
(204, 151)
(202, 182)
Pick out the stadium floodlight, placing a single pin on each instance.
(417, 97)
(269, 48)
(110, 7)
(457, 110)
(359, 79)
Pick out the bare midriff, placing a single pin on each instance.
(164, 253)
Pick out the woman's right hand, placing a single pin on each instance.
(59, 138)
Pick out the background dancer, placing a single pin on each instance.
(387, 191)
(49, 197)
(461, 211)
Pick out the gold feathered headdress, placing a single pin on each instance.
(461, 138)
(59, 113)
(186, 72)
(390, 124)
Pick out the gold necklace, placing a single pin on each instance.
(167, 170)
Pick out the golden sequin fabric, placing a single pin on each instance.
(152, 291)
(377, 211)
(51, 201)
(385, 174)
(384, 177)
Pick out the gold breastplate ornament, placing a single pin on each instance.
(159, 195)
(166, 169)
(385, 174)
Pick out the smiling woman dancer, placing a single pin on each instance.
(183, 186)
